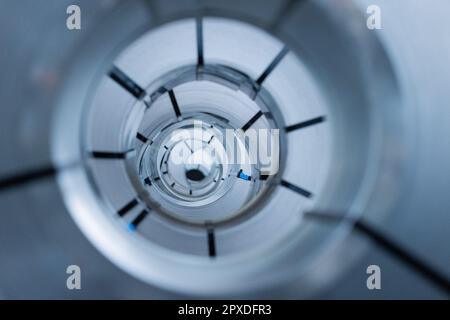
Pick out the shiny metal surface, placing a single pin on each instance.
(381, 155)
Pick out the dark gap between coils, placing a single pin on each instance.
(31, 175)
(390, 246)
